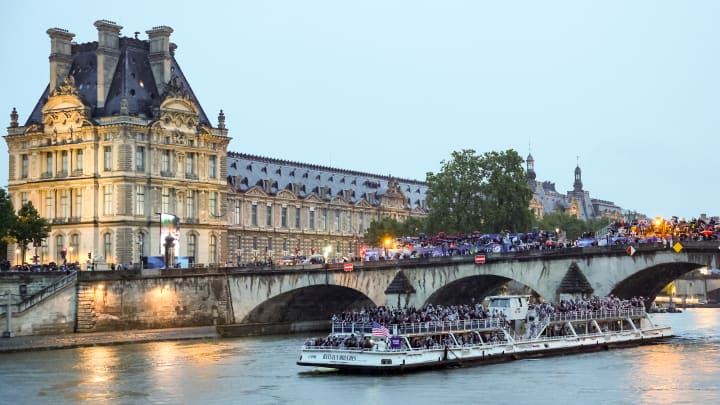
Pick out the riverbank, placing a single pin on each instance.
(72, 340)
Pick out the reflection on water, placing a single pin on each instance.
(263, 371)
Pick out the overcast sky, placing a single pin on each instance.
(627, 89)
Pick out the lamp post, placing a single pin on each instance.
(387, 246)
(17, 255)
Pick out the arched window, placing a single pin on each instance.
(74, 251)
(107, 247)
(192, 247)
(59, 246)
(213, 249)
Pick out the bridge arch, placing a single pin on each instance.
(467, 289)
(650, 281)
(311, 303)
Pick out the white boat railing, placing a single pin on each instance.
(340, 327)
(589, 315)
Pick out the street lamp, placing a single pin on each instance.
(70, 250)
(387, 246)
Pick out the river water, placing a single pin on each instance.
(684, 370)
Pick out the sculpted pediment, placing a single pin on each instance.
(363, 204)
(313, 198)
(286, 195)
(256, 191)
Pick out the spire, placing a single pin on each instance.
(577, 185)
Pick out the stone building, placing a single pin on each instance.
(119, 137)
(116, 138)
(577, 202)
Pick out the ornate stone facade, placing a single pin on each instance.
(118, 137)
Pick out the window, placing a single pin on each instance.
(59, 246)
(165, 202)
(50, 204)
(212, 163)
(237, 212)
(165, 162)
(108, 158)
(23, 198)
(297, 217)
(79, 161)
(213, 203)
(190, 165)
(141, 244)
(78, 203)
(64, 162)
(140, 158)
(64, 203)
(139, 200)
(362, 222)
(311, 219)
(140, 137)
(190, 204)
(254, 215)
(192, 246)
(74, 251)
(254, 242)
(107, 248)
(49, 165)
(213, 249)
(270, 244)
(24, 168)
(268, 217)
(337, 220)
(107, 200)
(283, 217)
(323, 220)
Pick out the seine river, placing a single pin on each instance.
(684, 370)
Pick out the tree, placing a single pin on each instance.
(30, 227)
(379, 231)
(505, 193)
(7, 222)
(453, 194)
(488, 193)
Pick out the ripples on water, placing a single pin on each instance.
(683, 370)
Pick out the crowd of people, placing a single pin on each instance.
(538, 312)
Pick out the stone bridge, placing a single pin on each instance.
(291, 294)
(294, 296)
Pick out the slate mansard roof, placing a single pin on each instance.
(133, 79)
(274, 175)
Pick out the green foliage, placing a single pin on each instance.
(7, 222)
(30, 227)
(487, 193)
(380, 230)
(569, 224)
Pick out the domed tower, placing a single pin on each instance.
(530, 172)
(577, 185)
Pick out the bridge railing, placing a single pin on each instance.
(588, 315)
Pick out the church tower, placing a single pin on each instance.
(577, 185)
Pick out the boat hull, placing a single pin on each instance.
(385, 362)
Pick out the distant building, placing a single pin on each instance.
(118, 137)
(576, 203)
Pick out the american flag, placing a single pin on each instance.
(379, 330)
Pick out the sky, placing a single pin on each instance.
(627, 90)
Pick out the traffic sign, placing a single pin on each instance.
(479, 259)
(677, 247)
(630, 250)
(348, 267)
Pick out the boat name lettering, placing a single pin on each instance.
(345, 357)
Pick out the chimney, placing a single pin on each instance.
(108, 54)
(160, 56)
(60, 55)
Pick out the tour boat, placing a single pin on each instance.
(514, 332)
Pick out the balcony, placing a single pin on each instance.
(77, 173)
(46, 175)
(56, 221)
(62, 173)
(73, 220)
(165, 173)
(191, 220)
(191, 176)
